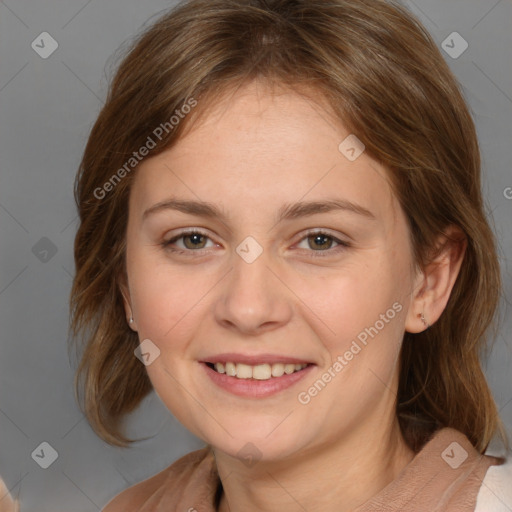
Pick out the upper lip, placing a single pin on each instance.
(253, 360)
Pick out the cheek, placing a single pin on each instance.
(358, 297)
(165, 295)
(364, 308)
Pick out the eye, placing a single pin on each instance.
(192, 240)
(197, 241)
(320, 241)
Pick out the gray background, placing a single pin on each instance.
(47, 107)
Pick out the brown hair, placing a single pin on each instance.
(384, 78)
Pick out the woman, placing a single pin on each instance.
(282, 233)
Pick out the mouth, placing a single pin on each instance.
(263, 371)
(255, 376)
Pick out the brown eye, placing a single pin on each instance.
(194, 241)
(320, 241)
(188, 241)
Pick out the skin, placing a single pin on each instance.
(253, 153)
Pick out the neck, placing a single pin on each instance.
(336, 476)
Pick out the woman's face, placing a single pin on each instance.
(299, 254)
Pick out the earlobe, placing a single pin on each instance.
(422, 317)
(418, 321)
(436, 282)
(128, 308)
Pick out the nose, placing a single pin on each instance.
(252, 299)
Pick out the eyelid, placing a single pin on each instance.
(341, 244)
(321, 231)
(186, 231)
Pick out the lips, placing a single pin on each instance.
(253, 360)
(255, 380)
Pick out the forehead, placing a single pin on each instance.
(252, 146)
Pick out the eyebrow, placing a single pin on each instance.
(286, 212)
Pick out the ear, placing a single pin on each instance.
(434, 283)
(125, 292)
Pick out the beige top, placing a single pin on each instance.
(445, 475)
(7, 503)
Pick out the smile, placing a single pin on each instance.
(262, 371)
(257, 380)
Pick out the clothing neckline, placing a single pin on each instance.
(445, 469)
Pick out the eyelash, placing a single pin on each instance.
(342, 245)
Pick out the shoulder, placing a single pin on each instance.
(496, 490)
(134, 497)
(7, 503)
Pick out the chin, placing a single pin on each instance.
(253, 444)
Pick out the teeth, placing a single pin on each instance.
(277, 370)
(289, 368)
(230, 369)
(243, 371)
(259, 371)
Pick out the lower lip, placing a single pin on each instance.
(254, 388)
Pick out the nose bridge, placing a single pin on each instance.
(252, 297)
